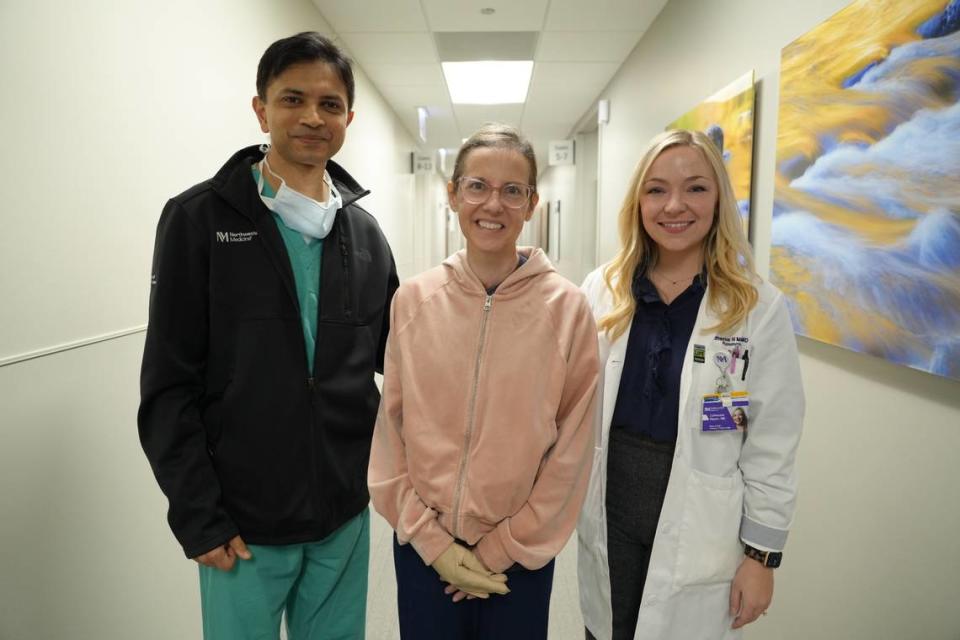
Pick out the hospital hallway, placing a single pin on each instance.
(114, 107)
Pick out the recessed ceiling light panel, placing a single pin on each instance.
(488, 81)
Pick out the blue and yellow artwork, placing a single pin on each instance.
(727, 117)
(865, 238)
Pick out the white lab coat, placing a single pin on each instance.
(724, 489)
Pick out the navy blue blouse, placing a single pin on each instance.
(648, 401)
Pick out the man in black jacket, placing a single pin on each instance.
(268, 316)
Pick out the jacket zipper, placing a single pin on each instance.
(471, 413)
(347, 303)
(314, 481)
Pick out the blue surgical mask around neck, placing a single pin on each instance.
(299, 212)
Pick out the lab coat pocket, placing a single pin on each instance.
(709, 549)
(716, 454)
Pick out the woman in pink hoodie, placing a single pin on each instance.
(484, 441)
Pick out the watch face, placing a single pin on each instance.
(770, 559)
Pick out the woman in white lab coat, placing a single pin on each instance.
(686, 516)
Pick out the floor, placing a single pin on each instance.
(565, 621)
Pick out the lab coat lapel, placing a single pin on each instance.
(611, 382)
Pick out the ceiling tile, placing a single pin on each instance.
(602, 15)
(586, 46)
(465, 46)
(464, 15)
(578, 47)
(587, 75)
(410, 75)
(470, 117)
(403, 97)
(390, 48)
(557, 105)
(372, 15)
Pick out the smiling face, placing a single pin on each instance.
(491, 229)
(678, 202)
(306, 114)
(739, 418)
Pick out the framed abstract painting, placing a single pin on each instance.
(727, 117)
(865, 237)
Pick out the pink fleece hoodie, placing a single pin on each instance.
(485, 429)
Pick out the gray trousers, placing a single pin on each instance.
(638, 469)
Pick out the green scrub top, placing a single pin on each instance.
(305, 254)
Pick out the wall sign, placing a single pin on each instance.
(561, 152)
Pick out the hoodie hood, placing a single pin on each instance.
(537, 264)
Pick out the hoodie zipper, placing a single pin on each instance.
(471, 413)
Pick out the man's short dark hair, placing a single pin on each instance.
(308, 46)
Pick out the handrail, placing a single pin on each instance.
(68, 346)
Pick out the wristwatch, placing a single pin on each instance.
(770, 559)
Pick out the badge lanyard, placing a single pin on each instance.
(723, 361)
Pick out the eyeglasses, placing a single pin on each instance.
(512, 195)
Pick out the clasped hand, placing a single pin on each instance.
(464, 572)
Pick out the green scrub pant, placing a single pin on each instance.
(321, 585)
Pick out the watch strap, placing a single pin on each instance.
(770, 559)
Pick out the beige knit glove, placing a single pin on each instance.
(461, 568)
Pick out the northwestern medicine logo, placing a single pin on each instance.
(233, 236)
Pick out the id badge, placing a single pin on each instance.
(726, 411)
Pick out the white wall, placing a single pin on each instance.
(585, 246)
(576, 188)
(377, 154)
(110, 108)
(430, 220)
(84, 544)
(559, 183)
(874, 552)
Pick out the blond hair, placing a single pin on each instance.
(727, 256)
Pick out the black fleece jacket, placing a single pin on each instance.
(242, 438)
